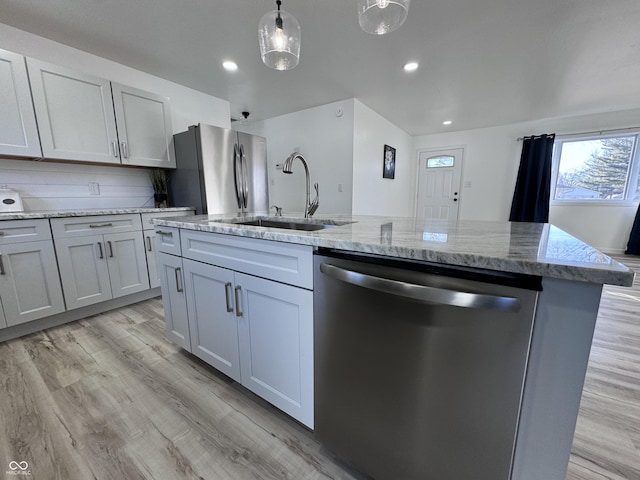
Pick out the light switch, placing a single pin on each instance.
(94, 188)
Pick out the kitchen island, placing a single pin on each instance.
(570, 274)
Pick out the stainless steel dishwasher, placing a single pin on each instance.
(419, 369)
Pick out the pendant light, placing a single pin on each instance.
(382, 16)
(279, 38)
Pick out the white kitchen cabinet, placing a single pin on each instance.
(18, 129)
(256, 330)
(149, 237)
(100, 257)
(275, 331)
(75, 114)
(144, 127)
(83, 270)
(212, 320)
(90, 119)
(174, 299)
(29, 282)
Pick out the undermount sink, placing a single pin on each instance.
(289, 225)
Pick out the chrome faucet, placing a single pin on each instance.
(309, 207)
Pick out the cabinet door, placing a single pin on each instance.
(212, 320)
(18, 130)
(29, 282)
(152, 259)
(174, 299)
(75, 114)
(83, 270)
(127, 263)
(144, 127)
(276, 344)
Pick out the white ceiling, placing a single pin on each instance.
(482, 62)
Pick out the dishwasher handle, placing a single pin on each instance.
(431, 295)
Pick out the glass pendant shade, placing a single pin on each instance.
(382, 16)
(279, 40)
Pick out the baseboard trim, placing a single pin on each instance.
(65, 317)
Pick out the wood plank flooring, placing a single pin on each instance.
(109, 397)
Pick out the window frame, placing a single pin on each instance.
(632, 173)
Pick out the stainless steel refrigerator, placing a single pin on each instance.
(219, 171)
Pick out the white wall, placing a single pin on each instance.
(326, 142)
(61, 186)
(492, 157)
(372, 194)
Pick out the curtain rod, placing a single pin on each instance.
(599, 132)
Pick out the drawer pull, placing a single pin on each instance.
(227, 295)
(100, 225)
(110, 248)
(163, 232)
(100, 249)
(238, 302)
(1, 266)
(148, 243)
(178, 272)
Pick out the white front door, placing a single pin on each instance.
(440, 172)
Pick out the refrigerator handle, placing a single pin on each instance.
(245, 181)
(237, 173)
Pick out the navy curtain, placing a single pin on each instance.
(533, 186)
(633, 247)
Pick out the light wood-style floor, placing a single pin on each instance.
(109, 397)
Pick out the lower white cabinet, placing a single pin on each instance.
(174, 299)
(96, 268)
(29, 282)
(275, 332)
(257, 331)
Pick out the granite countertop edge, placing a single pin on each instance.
(613, 273)
(86, 212)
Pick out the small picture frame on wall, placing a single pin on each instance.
(389, 162)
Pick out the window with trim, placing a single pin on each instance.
(600, 169)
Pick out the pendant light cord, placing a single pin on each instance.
(279, 18)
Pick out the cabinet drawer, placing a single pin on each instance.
(168, 240)
(282, 262)
(15, 231)
(147, 218)
(96, 224)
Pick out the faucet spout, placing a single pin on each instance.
(288, 168)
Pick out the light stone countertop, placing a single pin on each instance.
(529, 248)
(85, 212)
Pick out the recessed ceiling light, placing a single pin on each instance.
(230, 66)
(411, 67)
(447, 122)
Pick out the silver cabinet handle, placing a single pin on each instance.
(2, 272)
(178, 273)
(100, 225)
(163, 232)
(431, 295)
(238, 301)
(110, 248)
(125, 150)
(148, 243)
(100, 250)
(115, 149)
(227, 295)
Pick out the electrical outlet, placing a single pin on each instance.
(94, 188)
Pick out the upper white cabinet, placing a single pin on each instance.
(18, 130)
(81, 118)
(144, 127)
(75, 114)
